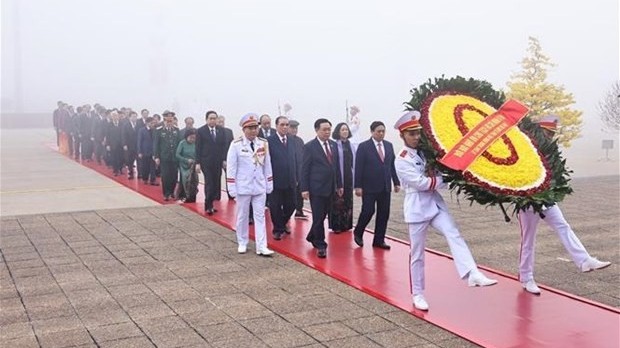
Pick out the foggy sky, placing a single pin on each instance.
(246, 56)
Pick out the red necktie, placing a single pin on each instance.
(328, 152)
(380, 150)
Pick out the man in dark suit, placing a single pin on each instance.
(100, 123)
(299, 149)
(265, 130)
(86, 128)
(284, 168)
(145, 152)
(229, 136)
(320, 180)
(129, 139)
(211, 156)
(189, 124)
(113, 143)
(374, 174)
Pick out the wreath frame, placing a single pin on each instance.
(557, 188)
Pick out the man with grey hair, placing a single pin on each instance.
(228, 137)
(189, 124)
(298, 142)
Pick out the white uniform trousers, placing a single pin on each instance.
(444, 223)
(528, 220)
(243, 212)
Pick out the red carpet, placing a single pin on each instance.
(499, 316)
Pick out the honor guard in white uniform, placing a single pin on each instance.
(528, 221)
(424, 207)
(249, 179)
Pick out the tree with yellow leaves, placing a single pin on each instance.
(530, 86)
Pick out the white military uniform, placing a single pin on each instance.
(424, 206)
(249, 178)
(528, 220)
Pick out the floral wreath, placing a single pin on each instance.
(522, 168)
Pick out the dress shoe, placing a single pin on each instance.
(166, 198)
(592, 263)
(420, 303)
(287, 229)
(210, 211)
(476, 278)
(381, 246)
(358, 239)
(322, 253)
(265, 252)
(214, 210)
(155, 183)
(531, 287)
(301, 216)
(130, 177)
(277, 235)
(241, 249)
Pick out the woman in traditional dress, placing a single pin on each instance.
(186, 155)
(341, 212)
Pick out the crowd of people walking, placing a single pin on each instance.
(274, 168)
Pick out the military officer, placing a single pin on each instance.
(424, 207)
(165, 142)
(249, 179)
(528, 221)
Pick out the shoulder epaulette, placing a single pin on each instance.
(263, 139)
(238, 140)
(403, 153)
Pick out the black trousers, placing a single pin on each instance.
(76, 146)
(130, 158)
(147, 168)
(169, 177)
(281, 207)
(116, 158)
(299, 200)
(99, 150)
(320, 207)
(382, 202)
(213, 185)
(87, 148)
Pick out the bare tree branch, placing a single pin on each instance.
(609, 108)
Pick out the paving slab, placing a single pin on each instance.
(114, 271)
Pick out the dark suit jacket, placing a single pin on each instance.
(318, 176)
(145, 141)
(113, 136)
(261, 133)
(129, 136)
(86, 126)
(208, 152)
(229, 137)
(283, 162)
(372, 175)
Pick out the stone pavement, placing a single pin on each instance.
(75, 273)
(167, 277)
(36, 179)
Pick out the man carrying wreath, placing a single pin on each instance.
(424, 207)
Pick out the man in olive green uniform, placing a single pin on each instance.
(165, 142)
